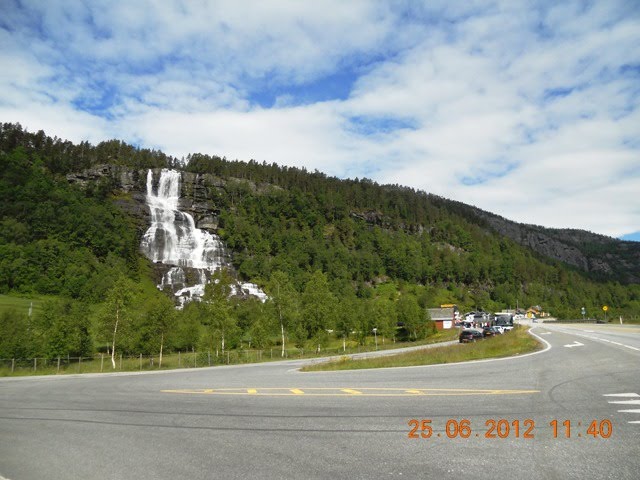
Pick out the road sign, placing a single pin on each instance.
(605, 308)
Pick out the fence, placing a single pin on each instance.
(125, 363)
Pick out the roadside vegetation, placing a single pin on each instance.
(337, 259)
(515, 342)
(196, 359)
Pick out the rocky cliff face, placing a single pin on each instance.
(196, 196)
(603, 256)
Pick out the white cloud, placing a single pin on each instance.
(529, 111)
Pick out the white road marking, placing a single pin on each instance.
(627, 402)
(591, 337)
(632, 395)
(546, 333)
(575, 344)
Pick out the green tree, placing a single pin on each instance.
(188, 326)
(410, 314)
(218, 307)
(318, 307)
(65, 329)
(385, 317)
(14, 334)
(117, 314)
(285, 303)
(158, 324)
(346, 320)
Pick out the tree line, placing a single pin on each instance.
(136, 318)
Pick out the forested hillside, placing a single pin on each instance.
(333, 255)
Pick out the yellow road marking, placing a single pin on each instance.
(344, 392)
(351, 391)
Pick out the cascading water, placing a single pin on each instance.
(173, 239)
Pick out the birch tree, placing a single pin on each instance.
(218, 305)
(284, 299)
(116, 314)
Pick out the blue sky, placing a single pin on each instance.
(530, 110)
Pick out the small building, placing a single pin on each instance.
(443, 317)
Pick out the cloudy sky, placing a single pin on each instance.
(530, 110)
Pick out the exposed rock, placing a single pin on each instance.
(207, 222)
(590, 252)
(90, 175)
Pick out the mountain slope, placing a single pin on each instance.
(359, 233)
(603, 257)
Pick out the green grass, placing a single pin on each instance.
(516, 342)
(21, 303)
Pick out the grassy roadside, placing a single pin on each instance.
(102, 363)
(516, 342)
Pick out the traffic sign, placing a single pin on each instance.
(605, 308)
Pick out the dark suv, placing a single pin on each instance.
(470, 335)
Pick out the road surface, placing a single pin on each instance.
(571, 411)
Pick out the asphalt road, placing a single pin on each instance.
(549, 415)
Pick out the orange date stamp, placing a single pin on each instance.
(503, 428)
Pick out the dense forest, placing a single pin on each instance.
(336, 257)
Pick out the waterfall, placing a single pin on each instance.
(173, 239)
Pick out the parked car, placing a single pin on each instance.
(470, 335)
(497, 330)
(488, 332)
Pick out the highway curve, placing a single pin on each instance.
(571, 411)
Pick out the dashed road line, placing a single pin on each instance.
(351, 391)
(346, 392)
